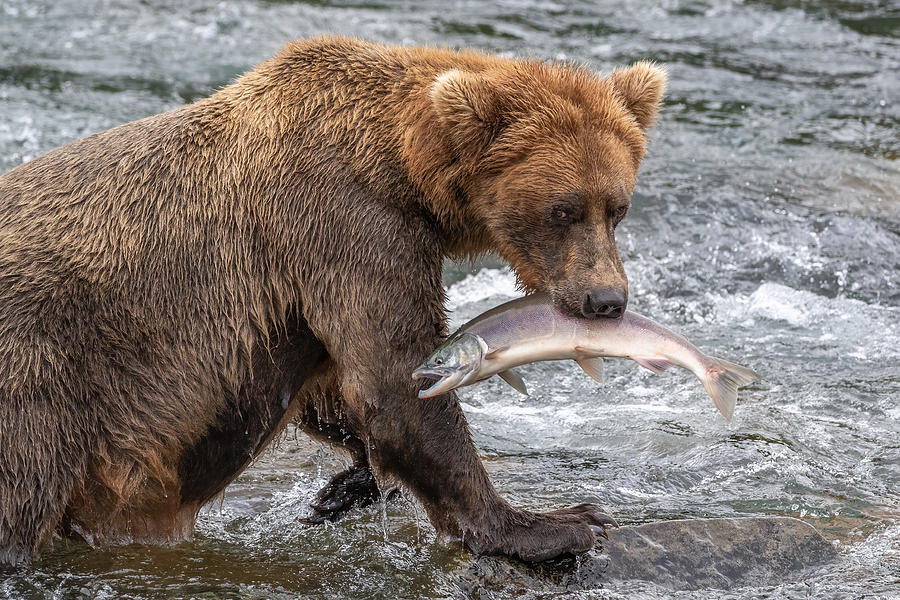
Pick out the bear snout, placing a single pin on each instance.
(604, 302)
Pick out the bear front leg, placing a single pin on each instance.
(352, 487)
(380, 313)
(348, 489)
(323, 417)
(426, 445)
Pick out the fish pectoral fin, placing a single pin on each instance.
(515, 380)
(657, 365)
(593, 367)
(495, 353)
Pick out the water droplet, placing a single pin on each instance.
(383, 503)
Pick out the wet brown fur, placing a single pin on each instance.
(173, 290)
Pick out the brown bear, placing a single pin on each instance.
(175, 290)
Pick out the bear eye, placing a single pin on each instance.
(562, 214)
(619, 214)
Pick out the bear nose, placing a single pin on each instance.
(604, 302)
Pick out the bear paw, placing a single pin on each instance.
(537, 537)
(354, 487)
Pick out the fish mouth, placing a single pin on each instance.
(424, 372)
(434, 390)
(446, 381)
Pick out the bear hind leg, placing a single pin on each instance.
(41, 464)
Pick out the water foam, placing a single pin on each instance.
(483, 285)
(778, 302)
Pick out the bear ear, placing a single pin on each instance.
(468, 106)
(641, 86)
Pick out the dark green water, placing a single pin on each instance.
(765, 226)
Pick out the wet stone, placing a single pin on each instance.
(679, 555)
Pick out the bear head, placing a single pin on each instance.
(548, 157)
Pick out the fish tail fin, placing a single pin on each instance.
(722, 380)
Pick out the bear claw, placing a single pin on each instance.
(605, 520)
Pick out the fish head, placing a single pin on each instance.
(453, 364)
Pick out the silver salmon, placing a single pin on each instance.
(530, 329)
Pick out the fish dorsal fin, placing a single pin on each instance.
(657, 365)
(495, 353)
(513, 379)
(593, 367)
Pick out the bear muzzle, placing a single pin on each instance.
(604, 302)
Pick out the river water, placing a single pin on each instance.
(765, 227)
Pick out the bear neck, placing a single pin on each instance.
(365, 113)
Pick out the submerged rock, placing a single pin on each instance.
(715, 553)
(679, 555)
